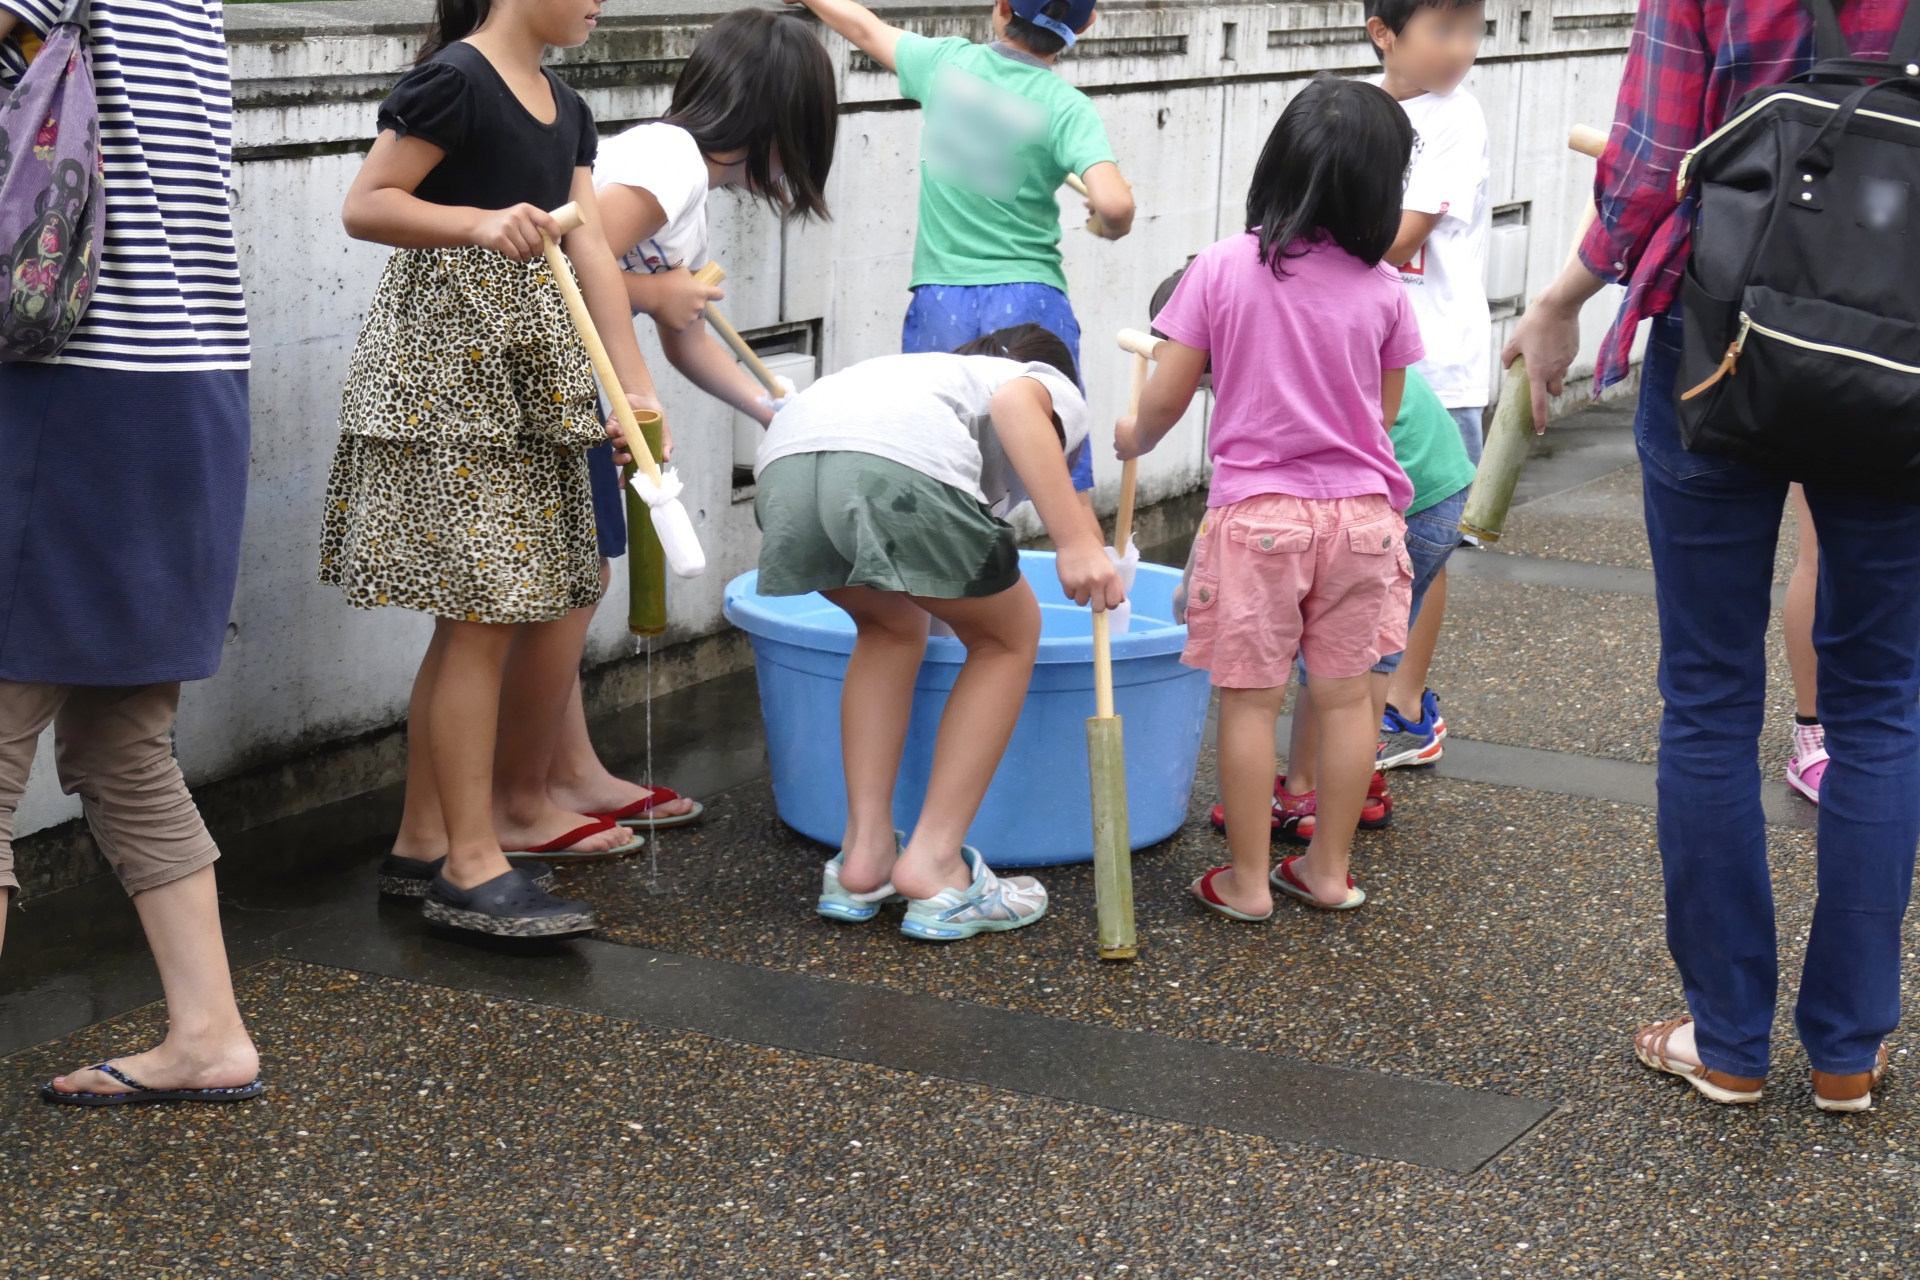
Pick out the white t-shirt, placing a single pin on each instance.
(929, 411)
(1446, 279)
(665, 161)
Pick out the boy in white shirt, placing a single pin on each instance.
(1426, 48)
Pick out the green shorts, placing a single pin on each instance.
(845, 519)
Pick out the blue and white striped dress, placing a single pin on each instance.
(123, 460)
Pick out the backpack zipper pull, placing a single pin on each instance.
(1728, 362)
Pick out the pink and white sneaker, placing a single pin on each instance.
(1808, 765)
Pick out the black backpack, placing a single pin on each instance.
(1801, 299)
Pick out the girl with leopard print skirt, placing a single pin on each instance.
(459, 487)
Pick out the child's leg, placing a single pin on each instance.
(876, 705)
(576, 780)
(1349, 732)
(1303, 749)
(543, 667)
(462, 715)
(1798, 614)
(1002, 635)
(423, 830)
(1410, 678)
(1247, 721)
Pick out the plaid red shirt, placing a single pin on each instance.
(1690, 62)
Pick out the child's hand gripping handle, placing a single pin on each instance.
(661, 492)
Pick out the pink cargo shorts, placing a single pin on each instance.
(1329, 577)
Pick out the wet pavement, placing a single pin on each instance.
(720, 1083)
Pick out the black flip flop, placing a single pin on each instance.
(140, 1092)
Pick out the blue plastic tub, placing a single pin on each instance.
(1038, 811)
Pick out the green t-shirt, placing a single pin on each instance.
(1000, 136)
(1427, 445)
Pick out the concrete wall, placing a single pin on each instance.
(1188, 91)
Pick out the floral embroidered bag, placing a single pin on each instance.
(52, 189)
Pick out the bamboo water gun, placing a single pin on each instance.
(1511, 434)
(1106, 743)
(659, 490)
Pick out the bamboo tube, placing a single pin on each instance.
(1106, 740)
(646, 558)
(712, 273)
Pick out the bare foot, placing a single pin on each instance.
(608, 794)
(1329, 888)
(1253, 897)
(865, 865)
(921, 873)
(226, 1065)
(529, 830)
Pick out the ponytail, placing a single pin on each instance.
(453, 21)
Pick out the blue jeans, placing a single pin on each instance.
(1472, 424)
(944, 316)
(1712, 523)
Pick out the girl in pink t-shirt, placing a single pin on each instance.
(1302, 547)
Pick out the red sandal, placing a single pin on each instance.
(1293, 821)
(1293, 886)
(1202, 889)
(637, 816)
(560, 848)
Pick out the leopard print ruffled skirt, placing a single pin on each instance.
(459, 487)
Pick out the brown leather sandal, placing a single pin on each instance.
(1650, 1046)
(1852, 1092)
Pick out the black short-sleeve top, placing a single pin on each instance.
(498, 154)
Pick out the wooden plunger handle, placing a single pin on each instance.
(712, 273)
(1079, 187)
(568, 216)
(1141, 345)
(1588, 141)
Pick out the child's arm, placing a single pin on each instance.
(1023, 420)
(606, 299)
(1176, 376)
(381, 207)
(710, 365)
(1393, 387)
(1415, 227)
(858, 24)
(1109, 199)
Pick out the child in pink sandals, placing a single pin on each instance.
(1302, 549)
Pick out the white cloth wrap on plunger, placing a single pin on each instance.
(1119, 617)
(671, 522)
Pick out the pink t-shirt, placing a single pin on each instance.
(1296, 369)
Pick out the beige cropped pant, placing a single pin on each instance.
(114, 748)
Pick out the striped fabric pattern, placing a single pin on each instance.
(169, 293)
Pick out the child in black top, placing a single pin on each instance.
(459, 487)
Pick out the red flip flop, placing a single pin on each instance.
(1293, 886)
(637, 816)
(1202, 889)
(560, 848)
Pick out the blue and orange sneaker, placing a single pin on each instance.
(1406, 744)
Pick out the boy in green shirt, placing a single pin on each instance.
(1002, 133)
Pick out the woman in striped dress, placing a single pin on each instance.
(123, 478)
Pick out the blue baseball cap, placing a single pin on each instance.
(1078, 12)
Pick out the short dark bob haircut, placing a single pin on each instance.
(1029, 344)
(761, 81)
(1334, 169)
(1398, 13)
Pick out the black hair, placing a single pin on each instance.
(1029, 344)
(1398, 13)
(1334, 169)
(762, 81)
(453, 21)
(1035, 38)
